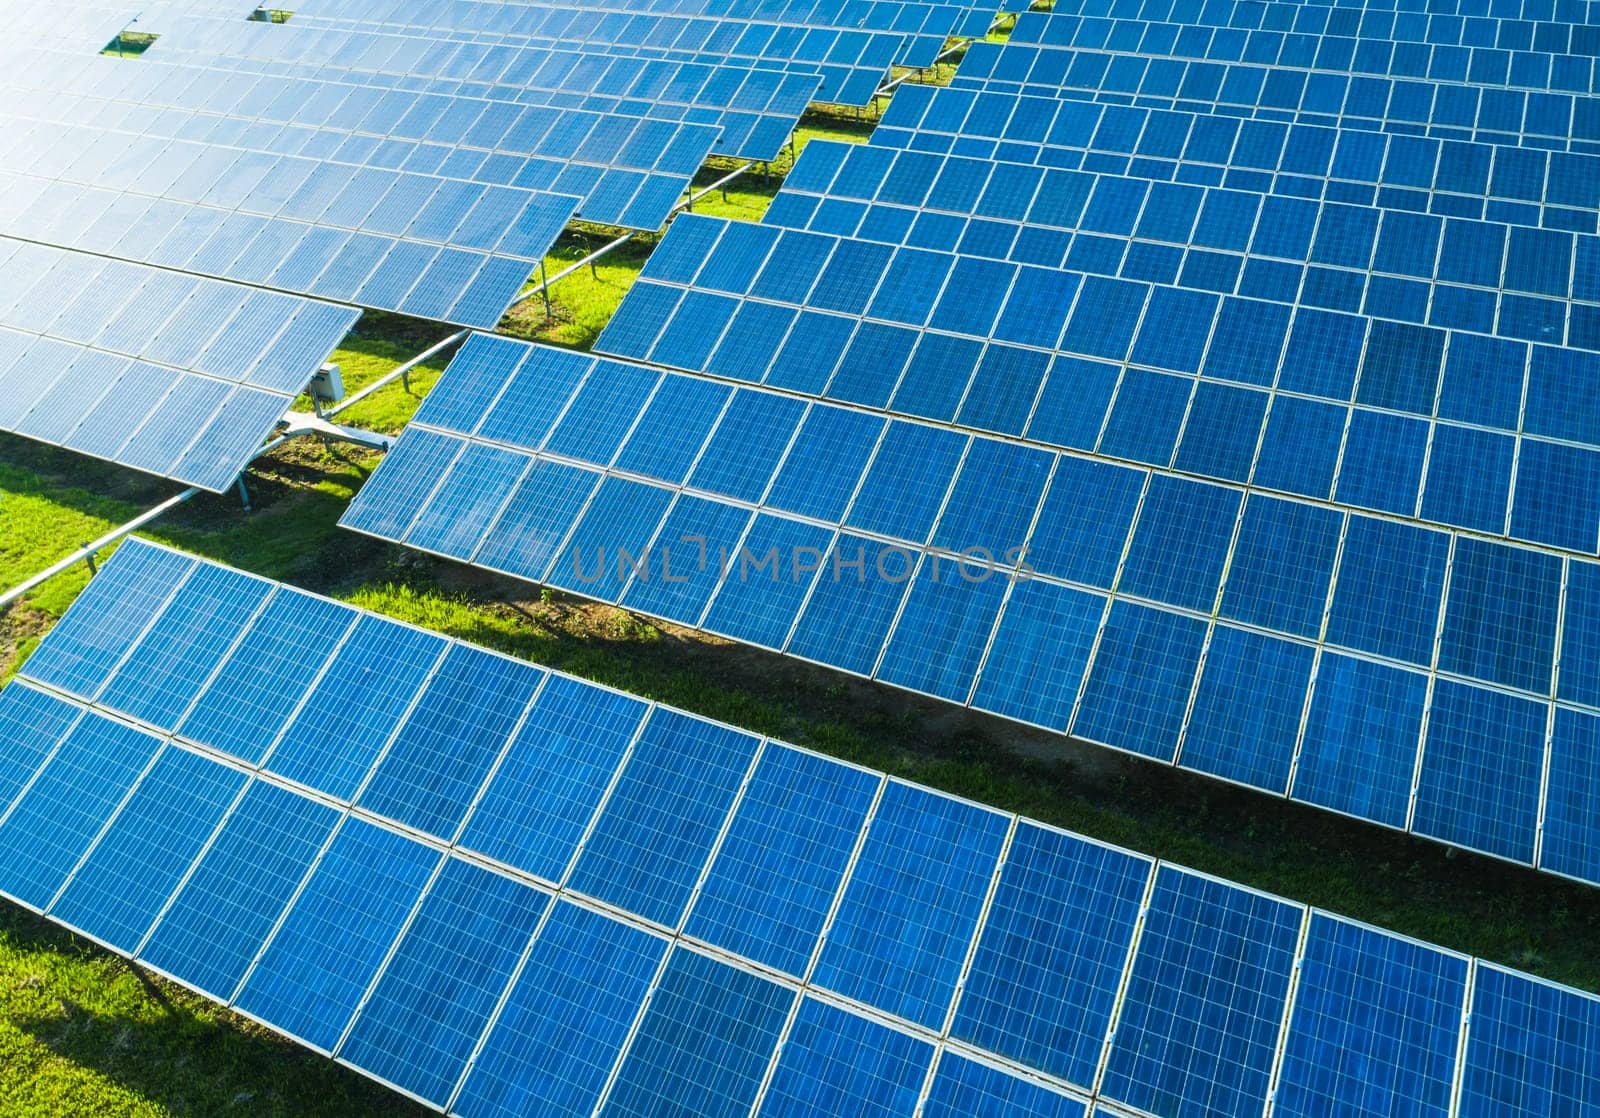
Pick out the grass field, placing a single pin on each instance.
(82, 1032)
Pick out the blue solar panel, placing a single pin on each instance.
(424, 1015)
(31, 723)
(1063, 908)
(769, 891)
(344, 722)
(552, 778)
(430, 772)
(1205, 999)
(57, 818)
(167, 373)
(118, 890)
(703, 1044)
(263, 680)
(907, 913)
(961, 1086)
(105, 621)
(834, 1061)
(224, 912)
(317, 965)
(654, 835)
(1522, 1030)
(1481, 770)
(565, 1019)
(1358, 753)
(1245, 719)
(1375, 1024)
(166, 669)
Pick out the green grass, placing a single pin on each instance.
(81, 1032)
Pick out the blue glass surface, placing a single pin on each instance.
(612, 534)
(1039, 653)
(108, 617)
(1282, 565)
(172, 661)
(1139, 681)
(908, 912)
(768, 580)
(703, 1045)
(1084, 521)
(31, 723)
(656, 831)
(834, 1062)
(943, 631)
(1247, 707)
(1570, 839)
(555, 772)
(565, 1020)
(54, 822)
(1530, 1048)
(223, 913)
(1374, 1025)
(1482, 764)
(251, 697)
(1358, 754)
(853, 603)
(1500, 621)
(1050, 958)
(779, 867)
(356, 706)
(137, 863)
(1180, 542)
(328, 948)
(424, 1016)
(536, 519)
(1205, 999)
(1387, 596)
(432, 770)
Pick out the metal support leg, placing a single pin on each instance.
(244, 494)
(89, 559)
(544, 289)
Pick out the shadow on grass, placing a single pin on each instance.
(167, 1045)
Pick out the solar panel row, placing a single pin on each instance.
(465, 286)
(913, 32)
(501, 889)
(628, 171)
(1568, 34)
(1229, 387)
(1403, 106)
(852, 64)
(755, 109)
(164, 372)
(1541, 70)
(1453, 178)
(1244, 636)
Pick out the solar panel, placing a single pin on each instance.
(155, 211)
(852, 62)
(936, 954)
(171, 374)
(1181, 619)
(628, 169)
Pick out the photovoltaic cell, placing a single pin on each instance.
(769, 890)
(1174, 1049)
(1063, 908)
(920, 879)
(1374, 1023)
(703, 1044)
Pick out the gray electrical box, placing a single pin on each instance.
(327, 387)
